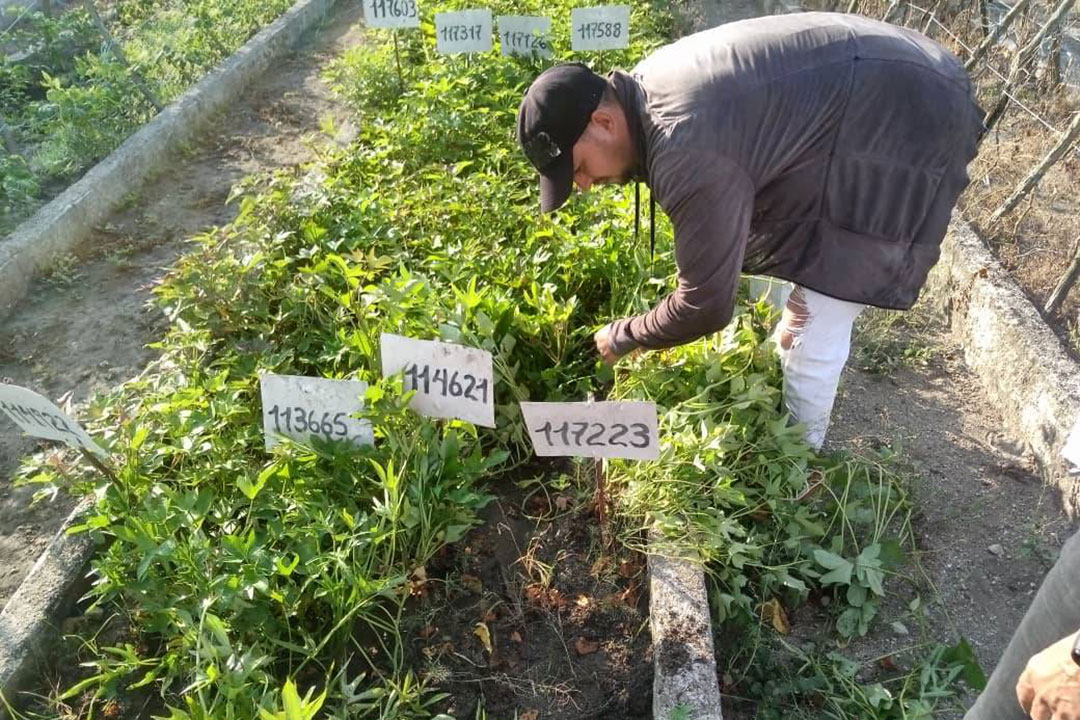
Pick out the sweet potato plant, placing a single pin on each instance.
(273, 586)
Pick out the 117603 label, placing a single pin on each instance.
(600, 28)
(465, 31)
(37, 416)
(593, 429)
(300, 407)
(525, 35)
(451, 381)
(391, 13)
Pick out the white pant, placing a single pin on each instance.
(813, 340)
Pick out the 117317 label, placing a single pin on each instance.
(526, 35)
(600, 28)
(593, 429)
(39, 417)
(301, 407)
(451, 381)
(391, 13)
(464, 31)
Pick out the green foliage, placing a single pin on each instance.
(242, 571)
(70, 101)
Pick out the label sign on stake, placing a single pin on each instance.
(39, 417)
(299, 407)
(465, 31)
(598, 429)
(525, 35)
(391, 14)
(451, 381)
(600, 28)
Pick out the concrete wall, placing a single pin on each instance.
(65, 222)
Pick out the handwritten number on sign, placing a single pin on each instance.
(446, 383)
(618, 431)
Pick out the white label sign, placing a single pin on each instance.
(1071, 451)
(597, 429)
(451, 381)
(40, 418)
(391, 13)
(298, 407)
(525, 35)
(600, 28)
(466, 31)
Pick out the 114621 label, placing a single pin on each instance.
(525, 35)
(301, 407)
(464, 31)
(600, 28)
(593, 429)
(39, 417)
(451, 381)
(391, 13)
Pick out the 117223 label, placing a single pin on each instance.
(451, 381)
(464, 31)
(39, 417)
(593, 429)
(526, 35)
(600, 28)
(391, 13)
(301, 407)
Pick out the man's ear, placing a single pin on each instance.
(604, 119)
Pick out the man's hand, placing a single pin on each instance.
(603, 345)
(1049, 688)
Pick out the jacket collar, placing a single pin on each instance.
(632, 98)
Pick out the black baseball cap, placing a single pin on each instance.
(554, 113)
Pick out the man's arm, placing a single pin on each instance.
(709, 200)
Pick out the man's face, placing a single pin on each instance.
(600, 154)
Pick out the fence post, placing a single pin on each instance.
(992, 38)
(1057, 296)
(1033, 178)
(116, 50)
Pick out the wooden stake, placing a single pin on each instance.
(115, 49)
(397, 59)
(1033, 178)
(1057, 297)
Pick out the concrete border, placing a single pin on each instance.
(46, 595)
(684, 658)
(69, 218)
(1024, 368)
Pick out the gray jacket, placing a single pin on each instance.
(821, 148)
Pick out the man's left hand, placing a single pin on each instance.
(1049, 688)
(603, 345)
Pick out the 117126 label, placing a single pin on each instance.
(301, 407)
(600, 28)
(526, 35)
(37, 416)
(593, 429)
(391, 13)
(451, 381)
(464, 31)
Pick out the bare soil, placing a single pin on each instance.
(84, 327)
(567, 619)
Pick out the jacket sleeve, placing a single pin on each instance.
(709, 200)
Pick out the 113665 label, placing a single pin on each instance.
(300, 407)
(602, 429)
